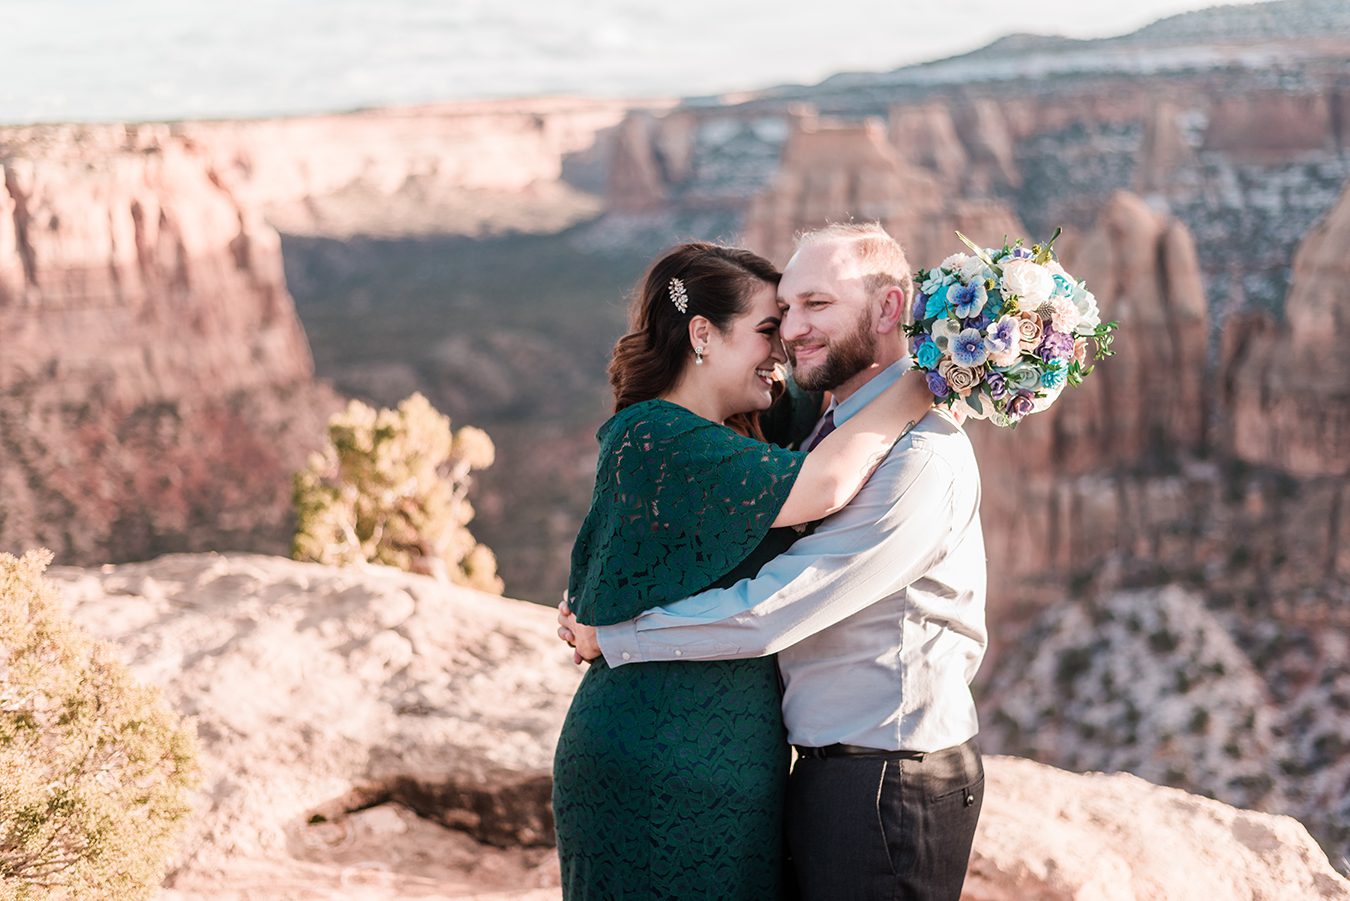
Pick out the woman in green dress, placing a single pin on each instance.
(669, 777)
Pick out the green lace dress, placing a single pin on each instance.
(669, 777)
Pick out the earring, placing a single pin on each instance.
(698, 356)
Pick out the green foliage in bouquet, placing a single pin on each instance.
(95, 772)
(391, 487)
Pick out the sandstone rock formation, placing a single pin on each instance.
(925, 135)
(360, 728)
(1144, 408)
(1274, 122)
(155, 384)
(373, 734)
(460, 168)
(1289, 386)
(1046, 835)
(1165, 151)
(637, 180)
(835, 171)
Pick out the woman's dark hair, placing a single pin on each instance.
(718, 281)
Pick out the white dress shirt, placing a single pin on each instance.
(877, 616)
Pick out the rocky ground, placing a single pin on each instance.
(371, 734)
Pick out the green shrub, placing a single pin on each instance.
(95, 772)
(391, 487)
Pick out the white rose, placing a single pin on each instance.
(1089, 316)
(973, 269)
(954, 262)
(1030, 281)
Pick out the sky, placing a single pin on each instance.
(135, 60)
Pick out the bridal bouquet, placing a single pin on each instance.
(1002, 332)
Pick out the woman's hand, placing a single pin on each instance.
(580, 636)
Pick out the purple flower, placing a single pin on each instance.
(979, 322)
(938, 385)
(968, 349)
(920, 304)
(1055, 346)
(1003, 336)
(1021, 405)
(998, 388)
(1021, 253)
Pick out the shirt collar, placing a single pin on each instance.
(869, 391)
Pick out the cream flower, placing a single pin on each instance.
(954, 262)
(1062, 313)
(1080, 351)
(1029, 281)
(1029, 330)
(960, 378)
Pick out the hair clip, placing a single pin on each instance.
(678, 295)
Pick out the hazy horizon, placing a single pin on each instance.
(85, 60)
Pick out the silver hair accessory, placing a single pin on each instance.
(678, 295)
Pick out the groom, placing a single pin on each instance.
(877, 616)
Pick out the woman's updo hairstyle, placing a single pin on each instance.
(718, 283)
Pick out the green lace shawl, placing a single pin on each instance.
(679, 501)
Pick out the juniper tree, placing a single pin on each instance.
(391, 487)
(95, 771)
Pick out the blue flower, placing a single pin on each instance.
(937, 303)
(995, 304)
(968, 300)
(920, 304)
(938, 385)
(1064, 287)
(980, 322)
(928, 355)
(1054, 375)
(968, 349)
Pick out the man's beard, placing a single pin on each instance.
(843, 359)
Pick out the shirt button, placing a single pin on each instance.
(627, 656)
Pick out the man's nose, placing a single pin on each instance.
(792, 327)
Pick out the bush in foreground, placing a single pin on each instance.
(95, 772)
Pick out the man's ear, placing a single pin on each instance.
(892, 311)
(700, 330)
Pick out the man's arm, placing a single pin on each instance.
(890, 535)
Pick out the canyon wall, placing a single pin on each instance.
(156, 387)
(1289, 385)
(837, 171)
(464, 168)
